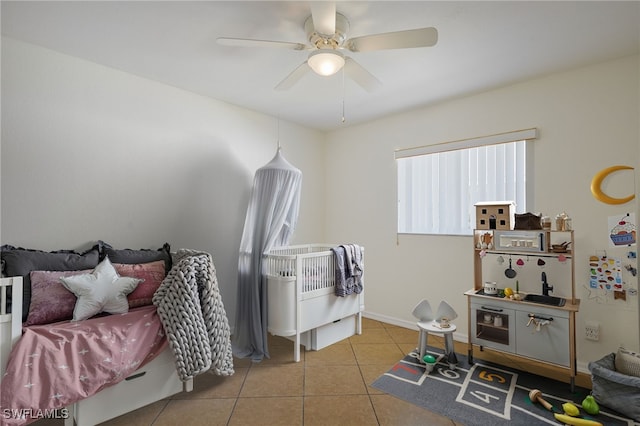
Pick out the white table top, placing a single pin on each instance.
(434, 327)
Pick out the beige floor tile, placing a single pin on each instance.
(402, 335)
(331, 355)
(334, 380)
(241, 362)
(436, 340)
(281, 353)
(141, 417)
(380, 353)
(274, 340)
(341, 410)
(370, 372)
(392, 411)
(372, 335)
(277, 380)
(285, 411)
(196, 412)
(406, 348)
(368, 323)
(212, 386)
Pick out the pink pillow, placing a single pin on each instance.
(50, 301)
(151, 273)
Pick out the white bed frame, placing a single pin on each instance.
(302, 304)
(155, 381)
(10, 324)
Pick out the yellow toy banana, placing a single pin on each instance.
(577, 421)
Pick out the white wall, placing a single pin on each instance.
(89, 152)
(588, 120)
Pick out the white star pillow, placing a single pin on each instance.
(103, 290)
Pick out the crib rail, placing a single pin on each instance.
(313, 262)
(300, 249)
(318, 271)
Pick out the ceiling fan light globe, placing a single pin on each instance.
(326, 62)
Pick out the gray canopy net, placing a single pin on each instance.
(271, 219)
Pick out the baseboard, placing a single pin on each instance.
(457, 336)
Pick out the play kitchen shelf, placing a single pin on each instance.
(528, 324)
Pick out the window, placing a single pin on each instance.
(438, 185)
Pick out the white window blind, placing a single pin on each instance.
(438, 185)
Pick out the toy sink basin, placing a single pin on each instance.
(544, 300)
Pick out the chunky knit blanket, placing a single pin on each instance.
(190, 307)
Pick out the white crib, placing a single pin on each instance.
(302, 304)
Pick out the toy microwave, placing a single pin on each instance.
(534, 241)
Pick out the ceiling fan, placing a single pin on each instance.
(327, 34)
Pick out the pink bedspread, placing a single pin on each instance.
(55, 365)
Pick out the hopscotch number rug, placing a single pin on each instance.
(484, 393)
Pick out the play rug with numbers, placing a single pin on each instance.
(483, 393)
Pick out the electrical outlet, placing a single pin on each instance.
(592, 330)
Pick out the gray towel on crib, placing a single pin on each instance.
(354, 260)
(348, 269)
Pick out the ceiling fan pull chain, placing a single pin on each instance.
(343, 93)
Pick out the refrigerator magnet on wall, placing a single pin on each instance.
(622, 230)
(605, 273)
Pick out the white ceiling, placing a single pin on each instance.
(482, 45)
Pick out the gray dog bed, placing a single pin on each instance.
(613, 389)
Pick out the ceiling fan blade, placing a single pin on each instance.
(422, 37)
(294, 77)
(357, 73)
(323, 14)
(246, 42)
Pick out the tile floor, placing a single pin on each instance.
(327, 387)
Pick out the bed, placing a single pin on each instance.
(302, 301)
(116, 363)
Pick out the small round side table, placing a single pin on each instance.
(426, 327)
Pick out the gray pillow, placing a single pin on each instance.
(19, 261)
(132, 257)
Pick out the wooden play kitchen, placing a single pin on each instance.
(523, 297)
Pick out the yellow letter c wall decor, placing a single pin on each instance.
(596, 186)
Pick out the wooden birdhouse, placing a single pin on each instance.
(495, 215)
